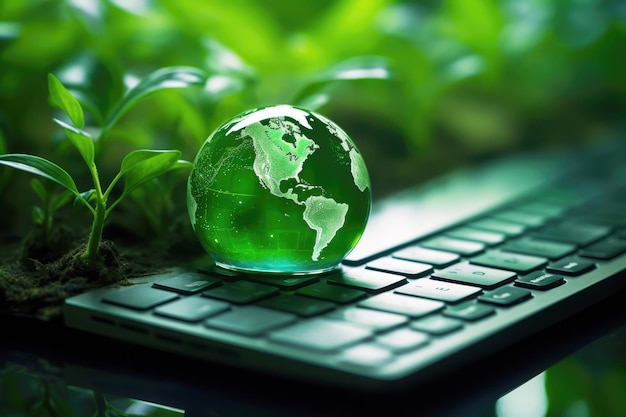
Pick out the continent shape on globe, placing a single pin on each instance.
(279, 189)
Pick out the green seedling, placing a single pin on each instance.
(137, 168)
(51, 202)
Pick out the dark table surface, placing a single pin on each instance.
(575, 369)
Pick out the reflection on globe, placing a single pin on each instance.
(279, 190)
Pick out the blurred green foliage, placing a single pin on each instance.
(419, 85)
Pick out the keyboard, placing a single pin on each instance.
(447, 272)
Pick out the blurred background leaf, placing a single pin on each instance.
(421, 86)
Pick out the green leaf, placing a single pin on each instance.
(3, 144)
(169, 77)
(135, 159)
(61, 200)
(37, 215)
(64, 100)
(40, 166)
(39, 189)
(144, 165)
(358, 68)
(81, 140)
(85, 198)
(181, 164)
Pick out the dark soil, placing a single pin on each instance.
(37, 274)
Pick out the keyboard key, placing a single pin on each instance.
(241, 292)
(501, 226)
(250, 320)
(533, 246)
(321, 334)
(571, 266)
(576, 233)
(302, 306)
(539, 280)
(604, 249)
(284, 282)
(401, 340)
(333, 293)
(367, 279)
(140, 297)
(409, 269)
(571, 195)
(510, 261)
(188, 283)
(474, 275)
(469, 311)
(505, 296)
(366, 355)
(192, 308)
(437, 290)
(437, 325)
(219, 272)
(450, 244)
(484, 236)
(544, 208)
(402, 304)
(521, 217)
(600, 217)
(378, 321)
(436, 258)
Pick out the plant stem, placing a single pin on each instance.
(96, 232)
(99, 217)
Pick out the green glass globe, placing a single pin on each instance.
(279, 190)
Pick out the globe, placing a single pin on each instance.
(279, 190)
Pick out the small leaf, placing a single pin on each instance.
(84, 198)
(159, 163)
(170, 77)
(142, 155)
(144, 165)
(37, 215)
(358, 68)
(3, 145)
(39, 189)
(81, 140)
(64, 100)
(181, 164)
(61, 200)
(40, 166)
